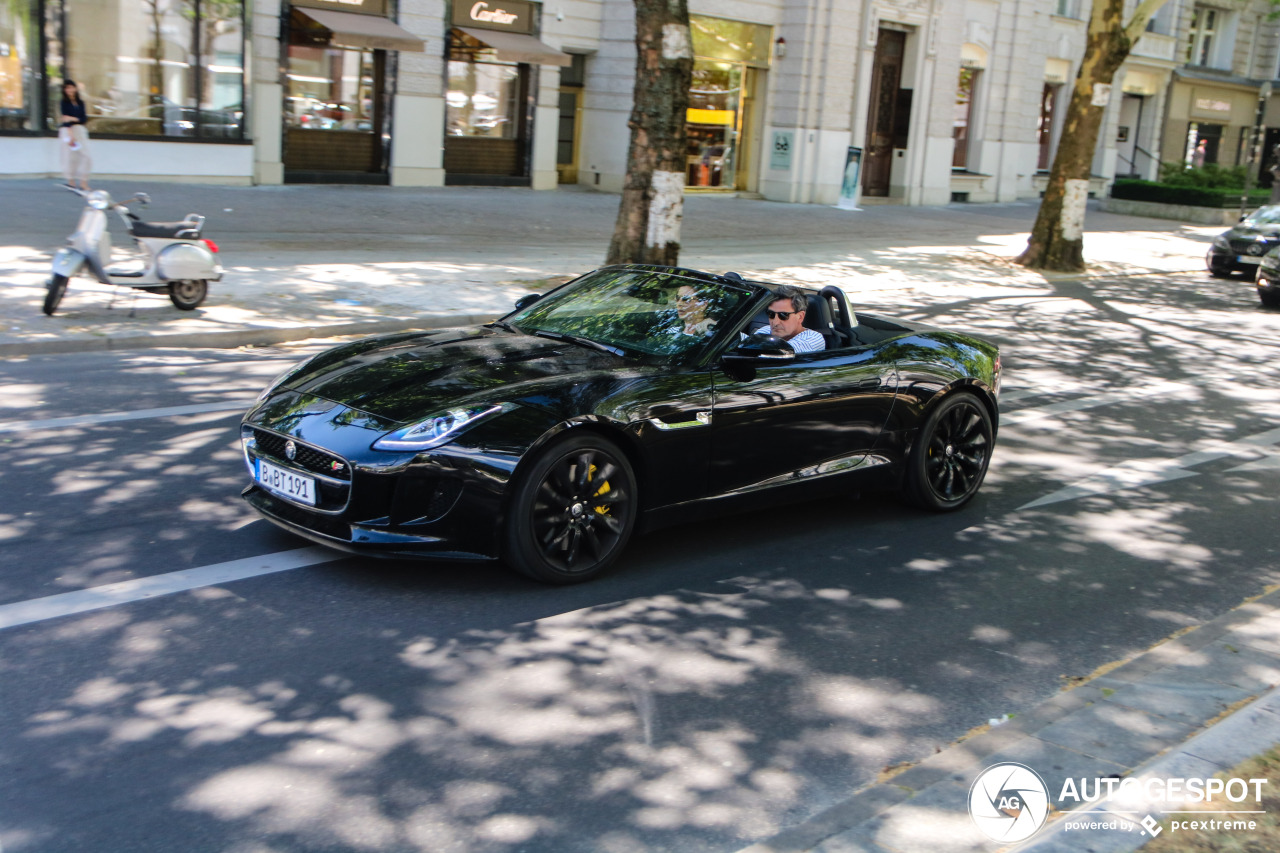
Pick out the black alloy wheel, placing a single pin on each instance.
(572, 511)
(187, 295)
(950, 456)
(57, 289)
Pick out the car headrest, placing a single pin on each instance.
(817, 315)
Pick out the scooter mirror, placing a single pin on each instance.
(144, 198)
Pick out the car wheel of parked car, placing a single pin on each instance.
(1220, 273)
(572, 511)
(950, 456)
(1271, 300)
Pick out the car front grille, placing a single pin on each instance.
(307, 458)
(1241, 247)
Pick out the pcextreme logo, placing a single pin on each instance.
(1009, 802)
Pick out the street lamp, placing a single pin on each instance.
(1264, 95)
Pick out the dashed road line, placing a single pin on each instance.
(1147, 472)
(113, 594)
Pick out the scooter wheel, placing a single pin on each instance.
(57, 287)
(187, 295)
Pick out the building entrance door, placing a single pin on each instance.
(886, 77)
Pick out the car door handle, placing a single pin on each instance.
(700, 419)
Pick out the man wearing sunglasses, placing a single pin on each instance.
(786, 321)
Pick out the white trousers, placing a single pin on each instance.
(74, 141)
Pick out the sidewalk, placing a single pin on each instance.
(313, 261)
(308, 261)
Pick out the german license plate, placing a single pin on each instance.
(285, 483)
(1248, 259)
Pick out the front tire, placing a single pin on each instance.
(949, 458)
(187, 295)
(1270, 299)
(572, 511)
(57, 289)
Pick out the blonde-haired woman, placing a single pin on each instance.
(74, 136)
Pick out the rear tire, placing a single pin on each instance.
(949, 458)
(187, 295)
(571, 512)
(57, 289)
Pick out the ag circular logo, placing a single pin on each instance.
(1009, 802)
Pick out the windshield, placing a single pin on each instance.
(637, 311)
(1264, 216)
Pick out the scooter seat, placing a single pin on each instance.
(185, 228)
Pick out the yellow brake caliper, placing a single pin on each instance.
(603, 490)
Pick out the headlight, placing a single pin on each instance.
(282, 378)
(99, 200)
(1221, 242)
(439, 430)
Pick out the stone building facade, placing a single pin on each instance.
(805, 101)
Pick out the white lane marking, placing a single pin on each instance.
(110, 417)
(112, 594)
(1147, 472)
(1093, 401)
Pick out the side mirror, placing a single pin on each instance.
(528, 299)
(759, 350)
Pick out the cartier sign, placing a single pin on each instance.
(514, 16)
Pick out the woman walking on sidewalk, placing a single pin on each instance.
(74, 136)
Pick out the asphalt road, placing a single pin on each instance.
(726, 681)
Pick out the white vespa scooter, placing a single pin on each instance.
(173, 257)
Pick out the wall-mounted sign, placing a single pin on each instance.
(780, 152)
(1212, 105)
(514, 16)
(365, 7)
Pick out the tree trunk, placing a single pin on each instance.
(648, 226)
(1057, 239)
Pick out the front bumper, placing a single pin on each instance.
(1222, 261)
(444, 504)
(368, 540)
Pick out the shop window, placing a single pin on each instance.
(962, 124)
(1203, 144)
(727, 55)
(164, 68)
(483, 98)
(19, 53)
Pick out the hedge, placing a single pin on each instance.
(1192, 196)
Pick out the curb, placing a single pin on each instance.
(239, 337)
(851, 824)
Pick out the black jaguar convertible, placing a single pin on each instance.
(630, 398)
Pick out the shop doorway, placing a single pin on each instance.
(730, 58)
(882, 116)
(572, 79)
(335, 108)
